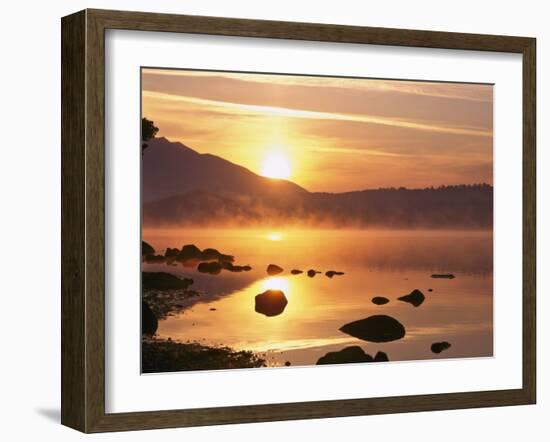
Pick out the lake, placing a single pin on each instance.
(376, 263)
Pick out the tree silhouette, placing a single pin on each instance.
(148, 131)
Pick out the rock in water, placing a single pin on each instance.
(171, 253)
(438, 347)
(270, 303)
(273, 269)
(163, 281)
(296, 271)
(146, 249)
(149, 322)
(213, 268)
(416, 297)
(347, 355)
(332, 273)
(215, 255)
(155, 259)
(380, 300)
(377, 328)
(188, 252)
(443, 276)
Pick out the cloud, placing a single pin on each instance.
(255, 109)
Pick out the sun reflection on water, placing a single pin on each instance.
(274, 236)
(276, 283)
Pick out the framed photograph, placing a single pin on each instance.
(269, 220)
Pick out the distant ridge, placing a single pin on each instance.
(171, 168)
(183, 187)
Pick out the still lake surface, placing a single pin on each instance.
(376, 263)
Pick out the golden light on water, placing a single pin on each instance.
(276, 283)
(274, 236)
(276, 165)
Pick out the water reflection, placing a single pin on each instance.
(376, 264)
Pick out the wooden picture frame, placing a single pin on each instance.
(83, 220)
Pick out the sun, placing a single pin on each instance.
(276, 165)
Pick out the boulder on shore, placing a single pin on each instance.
(416, 298)
(273, 269)
(270, 302)
(146, 249)
(377, 328)
(149, 322)
(163, 281)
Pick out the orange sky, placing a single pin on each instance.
(336, 134)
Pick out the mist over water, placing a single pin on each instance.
(388, 263)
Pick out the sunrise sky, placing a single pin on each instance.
(329, 134)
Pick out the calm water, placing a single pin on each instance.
(376, 263)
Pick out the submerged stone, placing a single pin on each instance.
(377, 328)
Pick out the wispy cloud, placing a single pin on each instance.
(453, 91)
(248, 109)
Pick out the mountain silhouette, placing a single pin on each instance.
(184, 187)
(171, 168)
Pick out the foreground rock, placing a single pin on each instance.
(163, 281)
(377, 328)
(332, 273)
(381, 357)
(443, 276)
(349, 355)
(380, 300)
(270, 303)
(416, 298)
(213, 268)
(149, 322)
(438, 347)
(273, 269)
(296, 272)
(160, 356)
(311, 273)
(146, 249)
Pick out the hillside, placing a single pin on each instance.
(183, 187)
